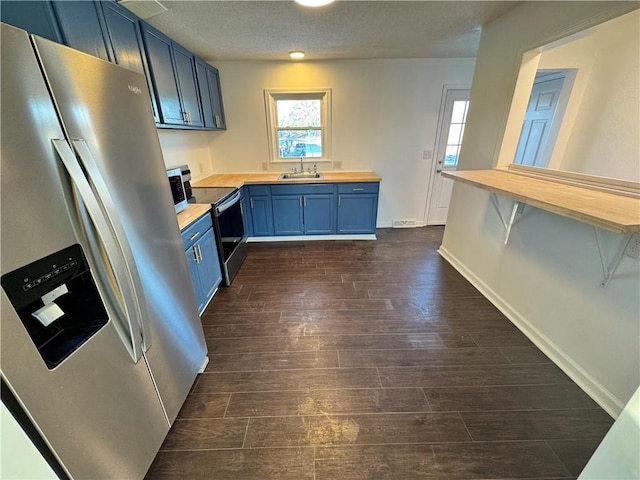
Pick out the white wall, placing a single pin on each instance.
(547, 279)
(385, 114)
(191, 147)
(608, 124)
(604, 105)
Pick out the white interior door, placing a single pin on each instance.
(452, 121)
(537, 129)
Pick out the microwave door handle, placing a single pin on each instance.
(122, 241)
(228, 204)
(96, 215)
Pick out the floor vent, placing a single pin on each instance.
(404, 223)
(144, 8)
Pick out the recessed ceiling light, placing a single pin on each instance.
(296, 54)
(314, 3)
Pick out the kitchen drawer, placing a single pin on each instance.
(196, 230)
(306, 189)
(360, 187)
(258, 189)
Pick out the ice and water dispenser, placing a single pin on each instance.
(58, 303)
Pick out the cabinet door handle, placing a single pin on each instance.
(339, 197)
(300, 202)
(358, 189)
(305, 202)
(251, 202)
(195, 254)
(217, 121)
(194, 236)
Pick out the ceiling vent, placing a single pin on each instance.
(144, 8)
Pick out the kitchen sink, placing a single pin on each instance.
(301, 175)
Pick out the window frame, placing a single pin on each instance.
(271, 96)
(452, 95)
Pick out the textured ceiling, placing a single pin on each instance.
(268, 30)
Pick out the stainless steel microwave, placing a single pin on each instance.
(177, 189)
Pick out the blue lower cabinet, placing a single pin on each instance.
(319, 216)
(258, 210)
(312, 209)
(261, 216)
(195, 278)
(202, 259)
(357, 213)
(287, 215)
(209, 265)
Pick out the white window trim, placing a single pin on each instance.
(270, 97)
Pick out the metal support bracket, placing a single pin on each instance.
(609, 268)
(518, 207)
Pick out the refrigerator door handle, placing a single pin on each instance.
(107, 237)
(122, 242)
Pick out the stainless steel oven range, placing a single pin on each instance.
(228, 225)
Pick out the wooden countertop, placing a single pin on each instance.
(240, 179)
(192, 213)
(617, 213)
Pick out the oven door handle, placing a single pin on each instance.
(228, 204)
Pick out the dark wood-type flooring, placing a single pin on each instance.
(340, 360)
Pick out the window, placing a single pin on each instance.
(459, 107)
(299, 124)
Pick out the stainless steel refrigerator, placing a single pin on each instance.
(100, 337)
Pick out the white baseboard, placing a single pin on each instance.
(603, 397)
(311, 238)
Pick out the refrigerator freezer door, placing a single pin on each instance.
(98, 410)
(107, 107)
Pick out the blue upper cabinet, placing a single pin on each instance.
(187, 86)
(82, 27)
(160, 56)
(126, 44)
(213, 78)
(173, 76)
(79, 25)
(209, 84)
(205, 95)
(34, 17)
(180, 98)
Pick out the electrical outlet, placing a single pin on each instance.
(265, 166)
(337, 165)
(426, 154)
(200, 167)
(633, 249)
